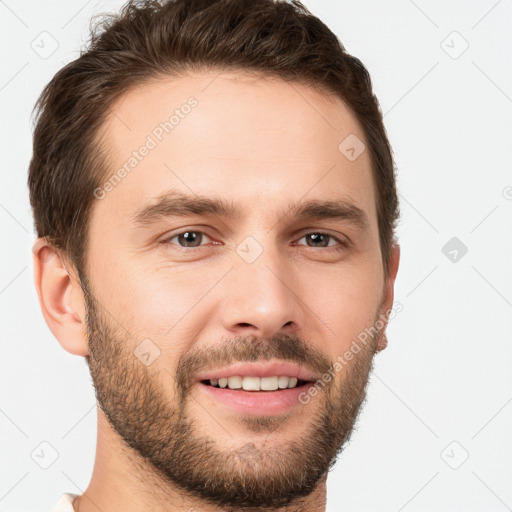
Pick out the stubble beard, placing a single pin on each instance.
(167, 444)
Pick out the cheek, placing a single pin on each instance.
(159, 301)
(346, 301)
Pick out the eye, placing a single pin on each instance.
(320, 240)
(192, 239)
(187, 239)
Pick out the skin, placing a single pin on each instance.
(259, 143)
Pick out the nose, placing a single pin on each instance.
(258, 298)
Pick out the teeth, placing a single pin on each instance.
(234, 382)
(292, 382)
(269, 383)
(251, 383)
(256, 383)
(283, 382)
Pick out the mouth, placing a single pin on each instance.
(257, 389)
(253, 383)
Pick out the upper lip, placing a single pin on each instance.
(259, 369)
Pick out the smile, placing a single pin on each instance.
(251, 383)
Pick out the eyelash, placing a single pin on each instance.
(342, 244)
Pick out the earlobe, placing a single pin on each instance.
(382, 342)
(60, 297)
(389, 294)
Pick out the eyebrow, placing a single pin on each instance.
(178, 204)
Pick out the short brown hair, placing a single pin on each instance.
(149, 39)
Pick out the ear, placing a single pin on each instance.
(389, 293)
(60, 296)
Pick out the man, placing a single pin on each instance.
(214, 197)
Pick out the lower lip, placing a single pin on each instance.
(257, 403)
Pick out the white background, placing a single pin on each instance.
(442, 390)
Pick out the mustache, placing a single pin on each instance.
(250, 349)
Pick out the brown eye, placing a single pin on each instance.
(187, 239)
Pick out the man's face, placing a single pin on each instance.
(175, 298)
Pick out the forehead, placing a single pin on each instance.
(253, 139)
